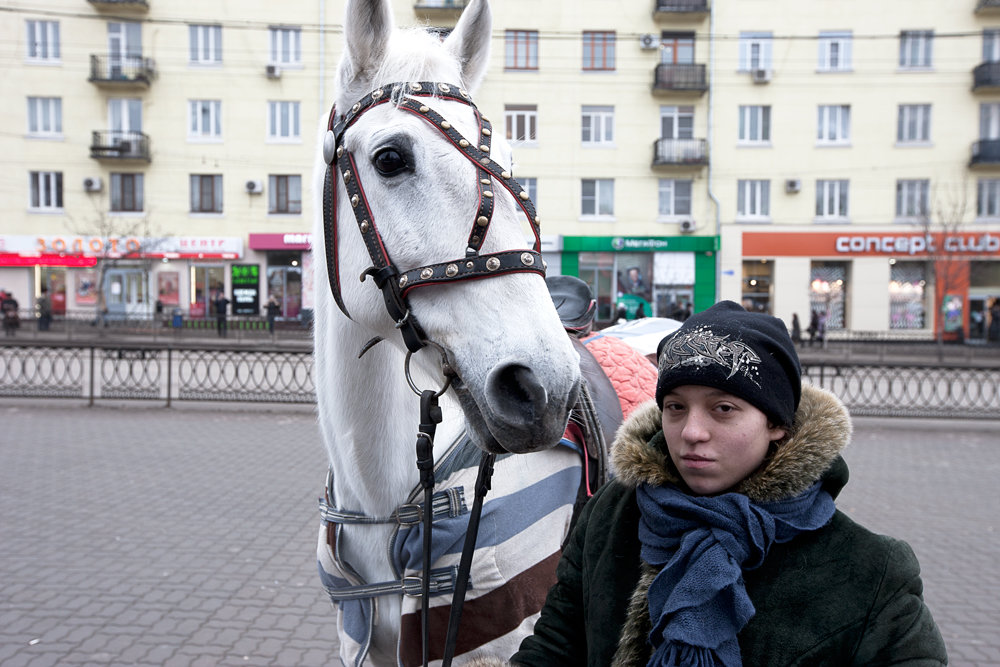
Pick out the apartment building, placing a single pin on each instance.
(821, 155)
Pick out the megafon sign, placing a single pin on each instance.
(829, 244)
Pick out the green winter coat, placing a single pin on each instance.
(840, 595)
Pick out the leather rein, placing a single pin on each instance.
(396, 285)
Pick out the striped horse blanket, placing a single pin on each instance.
(526, 517)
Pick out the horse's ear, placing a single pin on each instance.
(469, 42)
(367, 27)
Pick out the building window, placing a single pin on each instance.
(914, 123)
(828, 294)
(676, 122)
(833, 124)
(126, 192)
(906, 295)
(530, 185)
(753, 199)
(46, 190)
(206, 44)
(522, 123)
(911, 198)
(831, 199)
(284, 194)
(285, 46)
(204, 119)
(988, 198)
(915, 48)
(598, 51)
(834, 51)
(283, 121)
(597, 197)
(675, 197)
(45, 116)
(989, 121)
(521, 50)
(598, 126)
(755, 51)
(758, 279)
(991, 45)
(677, 48)
(43, 40)
(755, 124)
(206, 193)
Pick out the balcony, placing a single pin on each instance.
(680, 153)
(680, 78)
(671, 9)
(120, 5)
(119, 145)
(985, 153)
(986, 76)
(436, 9)
(121, 71)
(988, 7)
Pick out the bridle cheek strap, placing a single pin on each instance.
(395, 286)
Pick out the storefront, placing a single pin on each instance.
(876, 281)
(141, 276)
(644, 276)
(288, 261)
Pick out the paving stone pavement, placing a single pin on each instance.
(138, 535)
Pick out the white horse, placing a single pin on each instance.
(517, 373)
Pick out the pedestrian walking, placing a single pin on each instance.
(719, 542)
(9, 308)
(796, 330)
(813, 326)
(44, 310)
(221, 306)
(273, 309)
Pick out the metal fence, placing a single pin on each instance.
(166, 373)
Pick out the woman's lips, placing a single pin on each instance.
(696, 461)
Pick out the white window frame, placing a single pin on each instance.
(833, 124)
(204, 44)
(196, 120)
(833, 199)
(988, 199)
(913, 124)
(603, 198)
(42, 42)
(991, 45)
(989, 120)
(669, 198)
(285, 46)
(284, 122)
(530, 185)
(912, 199)
(682, 122)
(45, 117)
(755, 51)
(754, 125)
(115, 186)
(753, 200)
(835, 51)
(45, 191)
(598, 126)
(916, 49)
(521, 117)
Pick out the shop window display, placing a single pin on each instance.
(828, 293)
(907, 304)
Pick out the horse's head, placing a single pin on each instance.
(517, 374)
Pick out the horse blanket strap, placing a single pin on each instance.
(396, 285)
(442, 580)
(444, 504)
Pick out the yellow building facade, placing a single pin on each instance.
(821, 156)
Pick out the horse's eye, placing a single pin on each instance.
(390, 162)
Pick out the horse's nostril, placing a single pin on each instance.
(515, 393)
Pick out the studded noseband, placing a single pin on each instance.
(395, 285)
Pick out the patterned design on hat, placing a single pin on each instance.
(701, 347)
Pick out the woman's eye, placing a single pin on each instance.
(389, 162)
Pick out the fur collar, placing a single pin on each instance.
(822, 429)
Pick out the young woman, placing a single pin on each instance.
(719, 542)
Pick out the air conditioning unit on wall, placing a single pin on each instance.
(793, 185)
(686, 226)
(761, 75)
(92, 184)
(648, 42)
(255, 187)
(273, 72)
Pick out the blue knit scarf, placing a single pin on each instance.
(698, 602)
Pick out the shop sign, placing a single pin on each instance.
(827, 244)
(246, 288)
(290, 241)
(639, 243)
(183, 247)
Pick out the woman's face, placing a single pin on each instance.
(715, 439)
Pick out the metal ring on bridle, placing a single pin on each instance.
(444, 371)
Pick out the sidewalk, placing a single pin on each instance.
(139, 535)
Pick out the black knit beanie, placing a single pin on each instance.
(748, 355)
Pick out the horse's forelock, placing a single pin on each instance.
(416, 55)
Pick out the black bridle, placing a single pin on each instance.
(396, 285)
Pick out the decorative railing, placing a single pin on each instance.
(683, 77)
(986, 75)
(680, 6)
(119, 145)
(120, 4)
(668, 152)
(985, 151)
(126, 70)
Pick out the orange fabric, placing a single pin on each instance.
(632, 375)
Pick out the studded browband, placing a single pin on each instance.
(394, 285)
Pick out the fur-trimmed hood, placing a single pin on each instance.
(822, 429)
